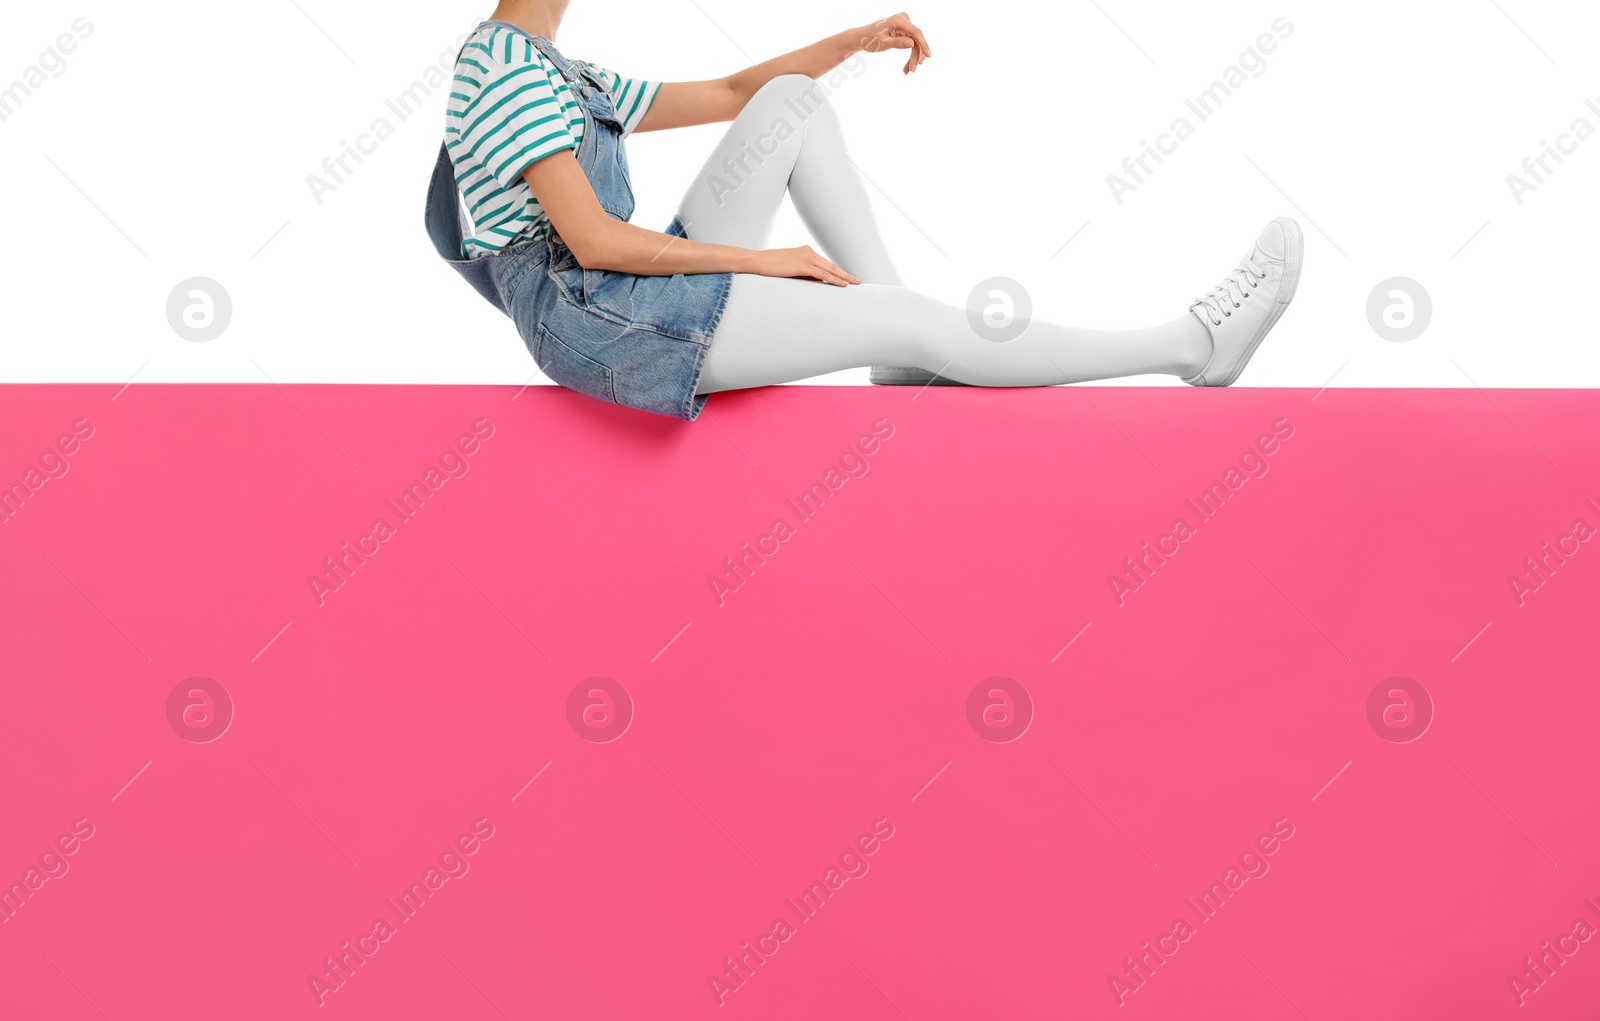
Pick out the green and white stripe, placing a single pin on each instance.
(509, 108)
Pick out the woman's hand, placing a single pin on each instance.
(801, 262)
(896, 32)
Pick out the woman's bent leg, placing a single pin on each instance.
(788, 140)
(777, 331)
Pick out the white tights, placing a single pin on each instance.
(788, 140)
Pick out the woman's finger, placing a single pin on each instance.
(843, 278)
(922, 40)
(919, 48)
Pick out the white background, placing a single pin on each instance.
(179, 140)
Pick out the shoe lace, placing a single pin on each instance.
(1234, 290)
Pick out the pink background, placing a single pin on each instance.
(772, 731)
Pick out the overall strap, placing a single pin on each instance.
(444, 215)
(572, 71)
(445, 219)
(446, 226)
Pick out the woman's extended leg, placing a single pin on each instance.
(788, 140)
(777, 330)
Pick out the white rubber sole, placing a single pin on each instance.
(901, 375)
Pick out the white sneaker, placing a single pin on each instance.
(1244, 307)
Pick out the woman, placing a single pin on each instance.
(531, 198)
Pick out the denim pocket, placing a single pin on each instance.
(603, 293)
(508, 268)
(567, 275)
(611, 294)
(572, 368)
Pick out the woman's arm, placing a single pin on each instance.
(600, 242)
(680, 104)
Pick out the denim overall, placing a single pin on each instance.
(631, 340)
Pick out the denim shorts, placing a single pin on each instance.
(637, 341)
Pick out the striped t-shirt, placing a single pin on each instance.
(509, 108)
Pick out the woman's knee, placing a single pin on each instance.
(800, 94)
